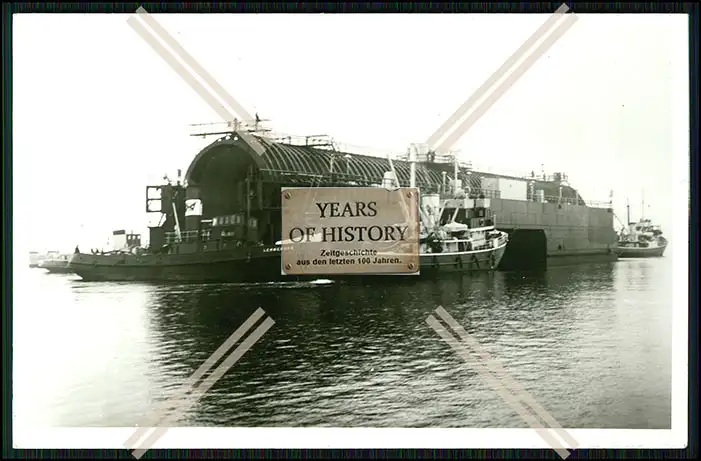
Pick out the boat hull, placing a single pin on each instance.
(64, 269)
(640, 252)
(253, 266)
(56, 267)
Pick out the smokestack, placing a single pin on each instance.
(193, 209)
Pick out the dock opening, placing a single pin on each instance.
(527, 250)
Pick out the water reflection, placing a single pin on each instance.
(79, 351)
(363, 356)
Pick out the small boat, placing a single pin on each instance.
(641, 239)
(57, 263)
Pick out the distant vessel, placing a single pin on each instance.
(35, 258)
(56, 263)
(641, 239)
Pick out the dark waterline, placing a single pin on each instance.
(591, 343)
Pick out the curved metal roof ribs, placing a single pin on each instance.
(313, 166)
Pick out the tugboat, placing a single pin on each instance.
(641, 239)
(471, 244)
(458, 233)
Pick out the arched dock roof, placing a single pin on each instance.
(312, 166)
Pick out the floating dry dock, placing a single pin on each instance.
(549, 222)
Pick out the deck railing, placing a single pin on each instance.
(185, 236)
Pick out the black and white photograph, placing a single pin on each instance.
(275, 230)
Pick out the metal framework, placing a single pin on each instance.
(314, 161)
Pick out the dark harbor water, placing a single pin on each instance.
(591, 343)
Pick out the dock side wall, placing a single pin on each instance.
(570, 230)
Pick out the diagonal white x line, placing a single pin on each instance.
(498, 90)
(512, 392)
(188, 394)
(227, 113)
(159, 32)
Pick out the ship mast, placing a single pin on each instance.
(455, 175)
(412, 166)
(642, 214)
(628, 212)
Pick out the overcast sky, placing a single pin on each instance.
(97, 114)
